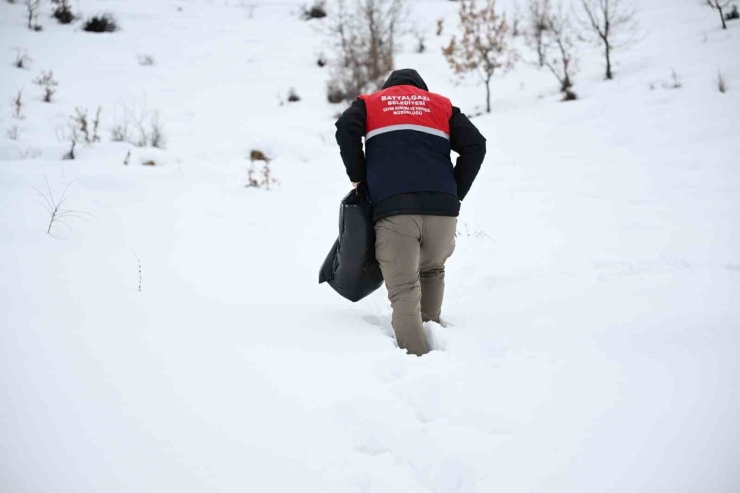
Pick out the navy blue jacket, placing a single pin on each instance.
(409, 133)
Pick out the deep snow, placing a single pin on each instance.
(592, 342)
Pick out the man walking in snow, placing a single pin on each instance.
(414, 189)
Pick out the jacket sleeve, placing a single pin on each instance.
(467, 141)
(350, 130)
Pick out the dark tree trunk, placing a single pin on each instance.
(722, 16)
(608, 62)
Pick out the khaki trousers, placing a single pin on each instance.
(412, 251)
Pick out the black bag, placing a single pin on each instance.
(351, 268)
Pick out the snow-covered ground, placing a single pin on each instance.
(593, 299)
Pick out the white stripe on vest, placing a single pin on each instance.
(418, 128)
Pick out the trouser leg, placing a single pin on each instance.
(397, 248)
(437, 245)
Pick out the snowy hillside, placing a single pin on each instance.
(172, 337)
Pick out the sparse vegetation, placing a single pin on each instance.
(421, 38)
(146, 60)
(22, 60)
(70, 156)
(82, 127)
(721, 83)
(315, 11)
(139, 127)
(31, 7)
(608, 20)
(539, 12)
(560, 50)
(440, 26)
(293, 97)
(334, 93)
(63, 11)
(732, 14)
(719, 6)
(483, 48)
(14, 132)
(49, 85)
(17, 106)
(365, 36)
(264, 178)
(104, 23)
(54, 206)
(675, 82)
(321, 61)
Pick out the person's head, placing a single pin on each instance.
(405, 77)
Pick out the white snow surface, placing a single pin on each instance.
(592, 305)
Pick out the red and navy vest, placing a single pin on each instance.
(407, 142)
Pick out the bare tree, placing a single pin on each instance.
(608, 19)
(365, 34)
(561, 50)
(31, 7)
(539, 11)
(483, 48)
(719, 5)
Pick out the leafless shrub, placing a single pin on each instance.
(537, 19)
(315, 11)
(22, 60)
(63, 11)
(70, 156)
(674, 83)
(483, 47)
(31, 7)
(440, 26)
(421, 38)
(105, 23)
(81, 126)
(516, 20)
(146, 60)
(608, 21)
(49, 85)
(58, 216)
(156, 132)
(139, 127)
(293, 97)
(719, 6)
(14, 132)
(721, 83)
(476, 233)
(17, 106)
(334, 94)
(732, 14)
(365, 36)
(263, 179)
(120, 132)
(560, 49)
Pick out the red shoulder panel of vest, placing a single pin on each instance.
(407, 105)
